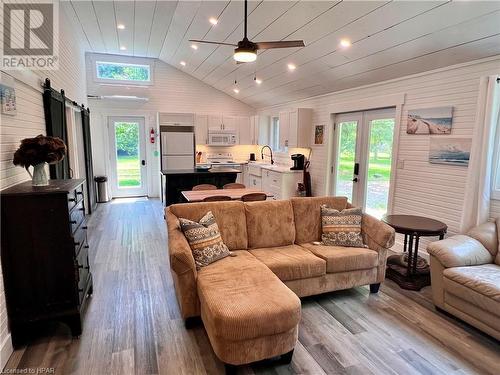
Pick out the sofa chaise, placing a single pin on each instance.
(249, 302)
(465, 276)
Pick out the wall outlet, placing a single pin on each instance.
(401, 164)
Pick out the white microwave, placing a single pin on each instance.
(222, 138)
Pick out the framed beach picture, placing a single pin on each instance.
(430, 121)
(453, 151)
(319, 135)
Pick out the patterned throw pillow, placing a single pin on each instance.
(341, 228)
(204, 239)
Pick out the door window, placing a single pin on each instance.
(363, 159)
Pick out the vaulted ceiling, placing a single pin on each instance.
(389, 39)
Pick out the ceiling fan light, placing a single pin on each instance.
(245, 54)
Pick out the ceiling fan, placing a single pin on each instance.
(246, 50)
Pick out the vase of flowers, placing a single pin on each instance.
(37, 153)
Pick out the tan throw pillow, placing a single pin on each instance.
(341, 228)
(204, 239)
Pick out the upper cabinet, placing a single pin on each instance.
(201, 129)
(250, 130)
(295, 126)
(215, 121)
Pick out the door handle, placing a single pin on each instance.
(355, 179)
(143, 162)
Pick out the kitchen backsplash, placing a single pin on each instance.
(242, 153)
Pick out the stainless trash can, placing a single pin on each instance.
(102, 189)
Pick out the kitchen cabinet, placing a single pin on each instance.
(245, 177)
(259, 130)
(283, 185)
(201, 129)
(215, 122)
(295, 127)
(255, 182)
(229, 122)
(245, 131)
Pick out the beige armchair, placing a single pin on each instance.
(465, 276)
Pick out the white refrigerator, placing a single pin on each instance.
(177, 147)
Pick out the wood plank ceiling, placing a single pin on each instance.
(389, 39)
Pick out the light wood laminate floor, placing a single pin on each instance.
(132, 324)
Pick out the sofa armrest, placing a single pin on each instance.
(376, 234)
(181, 257)
(459, 251)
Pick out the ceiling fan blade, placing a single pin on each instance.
(280, 44)
(209, 42)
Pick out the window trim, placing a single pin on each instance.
(121, 60)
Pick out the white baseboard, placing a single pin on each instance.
(6, 350)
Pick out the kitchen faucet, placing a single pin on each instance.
(262, 153)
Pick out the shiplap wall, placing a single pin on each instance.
(30, 121)
(421, 188)
(172, 91)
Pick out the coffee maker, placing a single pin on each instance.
(298, 162)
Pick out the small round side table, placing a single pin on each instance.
(413, 227)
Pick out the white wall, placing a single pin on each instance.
(421, 188)
(29, 122)
(172, 91)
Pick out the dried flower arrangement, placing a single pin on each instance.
(38, 151)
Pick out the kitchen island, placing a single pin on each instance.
(175, 181)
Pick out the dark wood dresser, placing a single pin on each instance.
(44, 255)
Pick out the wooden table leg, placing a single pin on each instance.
(410, 256)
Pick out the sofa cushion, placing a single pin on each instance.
(307, 213)
(342, 259)
(242, 299)
(484, 279)
(229, 215)
(204, 239)
(341, 228)
(291, 262)
(486, 233)
(269, 224)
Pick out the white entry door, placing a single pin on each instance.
(127, 149)
(363, 158)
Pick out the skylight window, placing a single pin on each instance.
(131, 73)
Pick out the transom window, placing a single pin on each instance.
(115, 71)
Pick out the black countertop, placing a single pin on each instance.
(195, 171)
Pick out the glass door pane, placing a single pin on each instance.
(378, 174)
(346, 158)
(128, 163)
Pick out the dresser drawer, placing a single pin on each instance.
(77, 216)
(82, 270)
(79, 193)
(80, 238)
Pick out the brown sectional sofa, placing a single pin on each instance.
(249, 302)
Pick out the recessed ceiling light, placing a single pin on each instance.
(345, 43)
(258, 81)
(183, 63)
(236, 91)
(291, 67)
(213, 20)
(194, 46)
(120, 26)
(123, 48)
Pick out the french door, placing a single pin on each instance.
(363, 158)
(127, 156)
